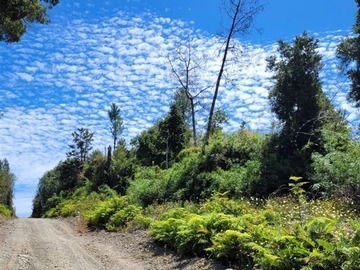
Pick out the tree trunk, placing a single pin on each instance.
(231, 32)
(193, 121)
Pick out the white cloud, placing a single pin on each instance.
(25, 76)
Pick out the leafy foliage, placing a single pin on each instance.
(285, 200)
(5, 211)
(15, 16)
(258, 237)
(338, 171)
(303, 110)
(161, 144)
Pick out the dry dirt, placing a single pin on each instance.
(62, 244)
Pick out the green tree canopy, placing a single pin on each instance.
(220, 117)
(297, 93)
(162, 142)
(15, 15)
(303, 110)
(348, 52)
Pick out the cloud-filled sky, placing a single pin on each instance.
(66, 74)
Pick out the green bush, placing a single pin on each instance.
(338, 172)
(227, 150)
(149, 186)
(122, 217)
(220, 203)
(113, 214)
(101, 215)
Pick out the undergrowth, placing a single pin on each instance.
(286, 232)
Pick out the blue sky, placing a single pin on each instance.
(65, 75)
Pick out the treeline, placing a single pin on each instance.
(311, 140)
(7, 181)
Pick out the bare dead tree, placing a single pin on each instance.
(184, 64)
(241, 14)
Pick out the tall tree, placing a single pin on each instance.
(82, 146)
(348, 52)
(302, 109)
(174, 132)
(48, 186)
(185, 64)
(116, 127)
(149, 147)
(241, 14)
(15, 15)
(297, 93)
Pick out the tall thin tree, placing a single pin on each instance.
(116, 127)
(241, 14)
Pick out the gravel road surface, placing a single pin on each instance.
(58, 244)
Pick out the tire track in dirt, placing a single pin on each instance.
(53, 244)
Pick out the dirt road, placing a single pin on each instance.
(56, 244)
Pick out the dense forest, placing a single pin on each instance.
(288, 199)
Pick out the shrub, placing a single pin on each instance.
(338, 172)
(101, 215)
(220, 203)
(149, 186)
(122, 217)
(280, 233)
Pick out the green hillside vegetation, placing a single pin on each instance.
(288, 199)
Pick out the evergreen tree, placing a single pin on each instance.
(48, 186)
(220, 117)
(184, 105)
(348, 52)
(148, 147)
(297, 94)
(122, 168)
(302, 109)
(81, 148)
(174, 131)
